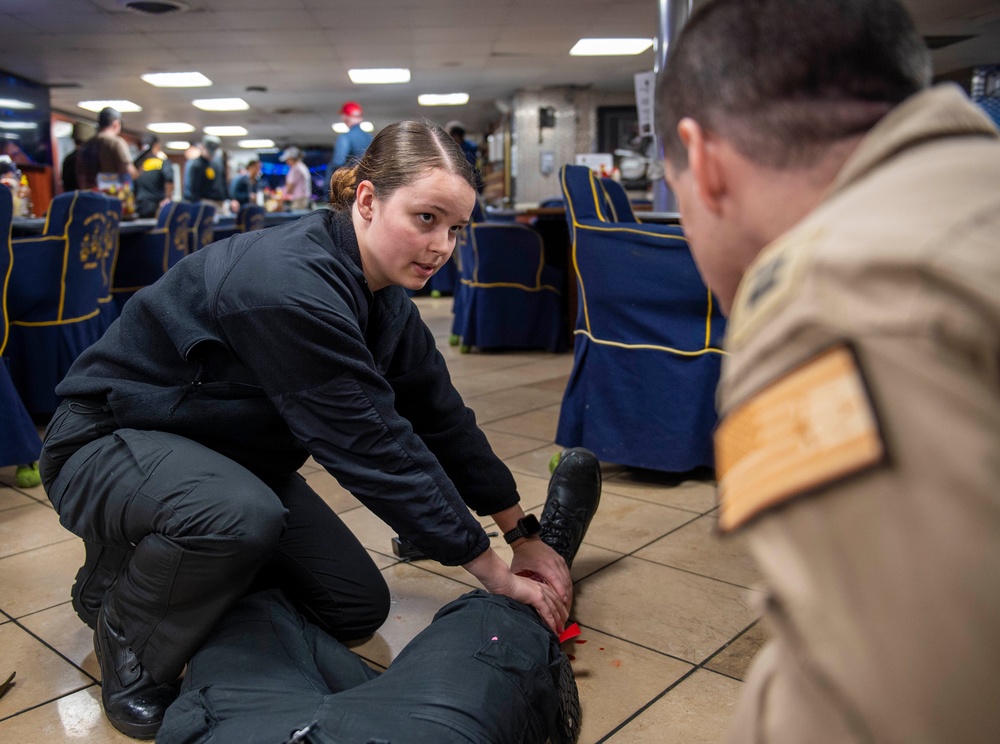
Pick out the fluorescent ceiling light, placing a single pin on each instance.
(13, 103)
(123, 107)
(176, 79)
(18, 125)
(256, 144)
(177, 145)
(341, 128)
(221, 104)
(379, 75)
(226, 131)
(609, 47)
(170, 127)
(443, 99)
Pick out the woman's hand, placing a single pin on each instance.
(497, 578)
(531, 554)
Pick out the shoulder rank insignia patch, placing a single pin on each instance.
(769, 283)
(811, 427)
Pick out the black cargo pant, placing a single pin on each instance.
(485, 671)
(177, 533)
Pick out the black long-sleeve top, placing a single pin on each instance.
(269, 346)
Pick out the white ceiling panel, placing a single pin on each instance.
(300, 51)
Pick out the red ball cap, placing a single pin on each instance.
(351, 109)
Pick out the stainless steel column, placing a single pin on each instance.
(673, 15)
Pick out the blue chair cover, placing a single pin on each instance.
(458, 292)
(508, 299)
(144, 257)
(202, 225)
(54, 294)
(617, 205)
(647, 341)
(19, 440)
(112, 241)
(446, 279)
(250, 217)
(990, 105)
(478, 211)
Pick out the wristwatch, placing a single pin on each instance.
(525, 527)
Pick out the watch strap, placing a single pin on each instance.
(525, 527)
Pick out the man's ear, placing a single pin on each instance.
(703, 159)
(364, 198)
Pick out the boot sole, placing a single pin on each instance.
(568, 715)
(133, 730)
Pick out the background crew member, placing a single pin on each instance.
(298, 183)
(205, 175)
(105, 152)
(351, 145)
(155, 185)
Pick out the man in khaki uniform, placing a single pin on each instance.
(848, 218)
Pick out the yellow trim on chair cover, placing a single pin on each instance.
(65, 265)
(538, 287)
(62, 321)
(6, 281)
(706, 349)
(64, 237)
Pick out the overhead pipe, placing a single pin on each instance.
(673, 15)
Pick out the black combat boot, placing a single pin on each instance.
(574, 493)
(133, 701)
(97, 575)
(566, 727)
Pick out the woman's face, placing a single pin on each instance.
(407, 237)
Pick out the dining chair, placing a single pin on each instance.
(618, 208)
(250, 217)
(144, 257)
(55, 290)
(20, 444)
(202, 225)
(647, 340)
(509, 298)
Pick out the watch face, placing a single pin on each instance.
(530, 525)
(526, 527)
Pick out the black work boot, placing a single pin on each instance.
(133, 701)
(95, 577)
(574, 493)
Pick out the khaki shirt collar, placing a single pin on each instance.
(941, 111)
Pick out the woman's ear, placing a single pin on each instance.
(364, 199)
(703, 159)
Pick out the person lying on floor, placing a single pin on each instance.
(486, 670)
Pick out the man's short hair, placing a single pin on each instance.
(107, 117)
(784, 79)
(211, 143)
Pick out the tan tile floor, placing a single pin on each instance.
(668, 610)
